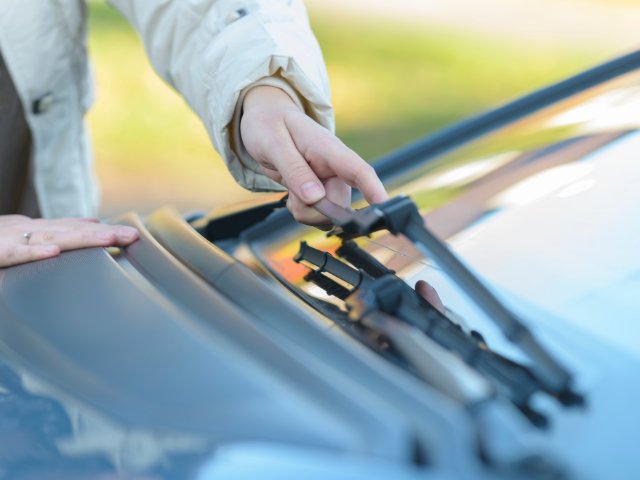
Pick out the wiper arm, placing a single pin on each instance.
(400, 215)
(390, 295)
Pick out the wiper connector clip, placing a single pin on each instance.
(393, 215)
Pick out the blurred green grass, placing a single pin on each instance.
(138, 121)
(391, 83)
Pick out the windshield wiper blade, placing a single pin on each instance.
(356, 256)
(392, 296)
(328, 263)
(401, 215)
(328, 284)
(438, 366)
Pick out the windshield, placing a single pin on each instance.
(544, 209)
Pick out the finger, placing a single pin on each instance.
(87, 237)
(336, 190)
(19, 224)
(72, 219)
(42, 224)
(296, 173)
(75, 239)
(17, 254)
(81, 219)
(272, 174)
(359, 174)
(124, 235)
(429, 293)
(326, 153)
(60, 224)
(307, 215)
(353, 170)
(71, 224)
(117, 235)
(7, 221)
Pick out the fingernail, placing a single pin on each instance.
(50, 248)
(127, 233)
(105, 235)
(312, 192)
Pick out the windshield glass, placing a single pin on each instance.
(544, 208)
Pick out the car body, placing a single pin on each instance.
(202, 350)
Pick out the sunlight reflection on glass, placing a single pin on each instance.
(617, 109)
(316, 291)
(463, 174)
(576, 188)
(541, 185)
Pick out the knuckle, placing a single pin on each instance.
(274, 133)
(362, 173)
(266, 165)
(300, 213)
(308, 216)
(48, 236)
(314, 149)
(299, 217)
(12, 253)
(322, 145)
(297, 171)
(365, 169)
(295, 206)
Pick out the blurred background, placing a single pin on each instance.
(399, 70)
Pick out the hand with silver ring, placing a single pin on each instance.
(23, 239)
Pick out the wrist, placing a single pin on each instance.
(269, 98)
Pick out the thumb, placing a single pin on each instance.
(300, 179)
(429, 293)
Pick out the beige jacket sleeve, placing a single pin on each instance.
(210, 51)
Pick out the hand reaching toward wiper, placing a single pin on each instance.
(23, 239)
(298, 153)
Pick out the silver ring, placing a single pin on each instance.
(27, 236)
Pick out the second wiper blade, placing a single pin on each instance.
(391, 295)
(327, 262)
(400, 215)
(350, 251)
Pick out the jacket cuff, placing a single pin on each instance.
(237, 145)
